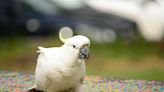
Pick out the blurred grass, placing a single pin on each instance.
(139, 59)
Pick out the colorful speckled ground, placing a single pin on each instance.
(20, 82)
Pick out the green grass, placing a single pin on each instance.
(11, 47)
(139, 59)
(120, 49)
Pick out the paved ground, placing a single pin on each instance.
(20, 82)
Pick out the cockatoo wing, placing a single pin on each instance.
(40, 69)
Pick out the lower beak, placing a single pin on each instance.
(84, 52)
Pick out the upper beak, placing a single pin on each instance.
(84, 52)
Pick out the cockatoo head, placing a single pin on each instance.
(78, 43)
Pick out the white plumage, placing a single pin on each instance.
(62, 68)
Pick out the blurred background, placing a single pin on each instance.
(127, 35)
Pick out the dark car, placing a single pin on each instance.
(47, 17)
(17, 16)
(102, 27)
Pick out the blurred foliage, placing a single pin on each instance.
(138, 59)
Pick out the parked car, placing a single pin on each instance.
(147, 14)
(48, 16)
(17, 16)
(99, 26)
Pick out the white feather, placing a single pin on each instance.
(59, 68)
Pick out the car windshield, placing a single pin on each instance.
(42, 6)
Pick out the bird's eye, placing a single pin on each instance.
(74, 46)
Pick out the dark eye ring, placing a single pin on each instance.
(74, 46)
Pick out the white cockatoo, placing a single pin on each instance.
(62, 69)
